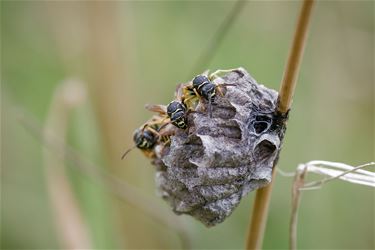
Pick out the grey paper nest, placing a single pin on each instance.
(211, 165)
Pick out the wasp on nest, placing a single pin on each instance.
(221, 147)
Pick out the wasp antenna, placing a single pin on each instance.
(127, 151)
(205, 73)
(163, 126)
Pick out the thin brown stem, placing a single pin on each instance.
(259, 217)
(289, 81)
(263, 195)
(299, 180)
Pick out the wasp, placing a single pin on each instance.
(187, 97)
(185, 102)
(152, 133)
(203, 86)
(176, 111)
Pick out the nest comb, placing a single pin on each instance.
(210, 166)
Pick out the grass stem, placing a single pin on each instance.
(288, 84)
(69, 221)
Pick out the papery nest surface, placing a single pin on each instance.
(210, 166)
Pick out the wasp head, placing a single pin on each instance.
(199, 81)
(177, 113)
(144, 139)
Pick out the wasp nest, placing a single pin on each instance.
(216, 161)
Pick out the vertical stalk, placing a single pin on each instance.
(289, 82)
(70, 225)
(262, 199)
(113, 101)
(298, 182)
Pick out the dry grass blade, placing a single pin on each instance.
(299, 180)
(262, 199)
(349, 173)
(70, 225)
(289, 81)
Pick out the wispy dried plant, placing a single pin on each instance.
(262, 199)
(333, 171)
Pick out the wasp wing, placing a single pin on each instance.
(179, 93)
(161, 109)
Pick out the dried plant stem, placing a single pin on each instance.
(69, 222)
(354, 174)
(289, 82)
(262, 199)
(259, 217)
(299, 180)
(113, 101)
(360, 176)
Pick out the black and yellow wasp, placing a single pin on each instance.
(176, 111)
(187, 97)
(150, 134)
(203, 86)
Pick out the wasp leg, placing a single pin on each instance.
(191, 102)
(164, 120)
(163, 149)
(193, 112)
(219, 72)
(210, 107)
(167, 133)
(168, 142)
(159, 121)
(188, 97)
(202, 107)
(163, 126)
(196, 92)
(155, 132)
(219, 86)
(188, 91)
(191, 98)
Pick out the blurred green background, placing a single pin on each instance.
(131, 53)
